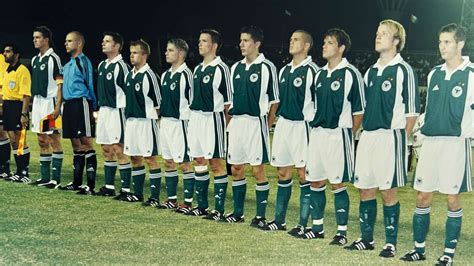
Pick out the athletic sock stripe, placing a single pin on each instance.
(138, 172)
(449, 250)
(110, 163)
(262, 188)
(58, 155)
(339, 190)
(318, 188)
(285, 184)
(221, 180)
(4, 142)
(239, 183)
(202, 178)
(420, 245)
(171, 173)
(125, 166)
(188, 176)
(305, 185)
(422, 210)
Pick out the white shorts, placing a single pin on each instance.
(110, 126)
(206, 135)
(141, 137)
(330, 155)
(248, 140)
(290, 143)
(381, 159)
(174, 140)
(444, 165)
(40, 109)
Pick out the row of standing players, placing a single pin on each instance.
(318, 109)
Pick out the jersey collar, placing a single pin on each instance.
(341, 65)
(141, 70)
(213, 63)
(462, 66)
(114, 60)
(396, 60)
(257, 60)
(180, 69)
(307, 60)
(48, 52)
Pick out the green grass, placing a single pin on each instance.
(40, 226)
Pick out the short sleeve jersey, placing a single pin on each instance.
(339, 94)
(296, 84)
(391, 94)
(254, 87)
(16, 83)
(450, 101)
(175, 90)
(110, 82)
(211, 87)
(142, 92)
(46, 74)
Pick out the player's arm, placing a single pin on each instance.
(410, 95)
(357, 98)
(225, 89)
(154, 92)
(58, 77)
(272, 91)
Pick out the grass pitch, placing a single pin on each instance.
(41, 226)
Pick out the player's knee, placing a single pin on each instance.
(108, 152)
(43, 141)
(152, 162)
(284, 173)
(237, 171)
(170, 165)
(216, 166)
(136, 161)
(389, 196)
(186, 167)
(454, 202)
(423, 199)
(318, 184)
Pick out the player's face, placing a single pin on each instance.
(137, 57)
(71, 43)
(384, 39)
(38, 40)
(171, 54)
(205, 44)
(448, 47)
(8, 54)
(247, 45)
(331, 48)
(108, 45)
(297, 43)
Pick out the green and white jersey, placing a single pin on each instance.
(391, 94)
(296, 84)
(339, 94)
(110, 82)
(211, 87)
(175, 88)
(46, 73)
(142, 91)
(450, 101)
(254, 87)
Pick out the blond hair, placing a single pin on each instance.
(399, 32)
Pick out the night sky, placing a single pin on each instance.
(156, 21)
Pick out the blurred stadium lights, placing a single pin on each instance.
(392, 9)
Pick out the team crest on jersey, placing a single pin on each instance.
(173, 86)
(43, 66)
(137, 86)
(254, 77)
(206, 79)
(335, 85)
(297, 82)
(109, 76)
(456, 91)
(12, 84)
(386, 85)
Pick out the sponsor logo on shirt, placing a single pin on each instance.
(237, 77)
(435, 88)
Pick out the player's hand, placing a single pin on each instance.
(24, 121)
(95, 114)
(55, 113)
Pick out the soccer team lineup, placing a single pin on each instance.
(332, 125)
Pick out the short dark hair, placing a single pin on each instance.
(116, 37)
(143, 45)
(15, 48)
(216, 36)
(255, 32)
(46, 32)
(181, 45)
(459, 31)
(307, 37)
(341, 37)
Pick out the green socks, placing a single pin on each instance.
(110, 167)
(318, 201)
(421, 224)
(341, 207)
(261, 196)
(282, 199)
(239, 188)
(367, 216)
